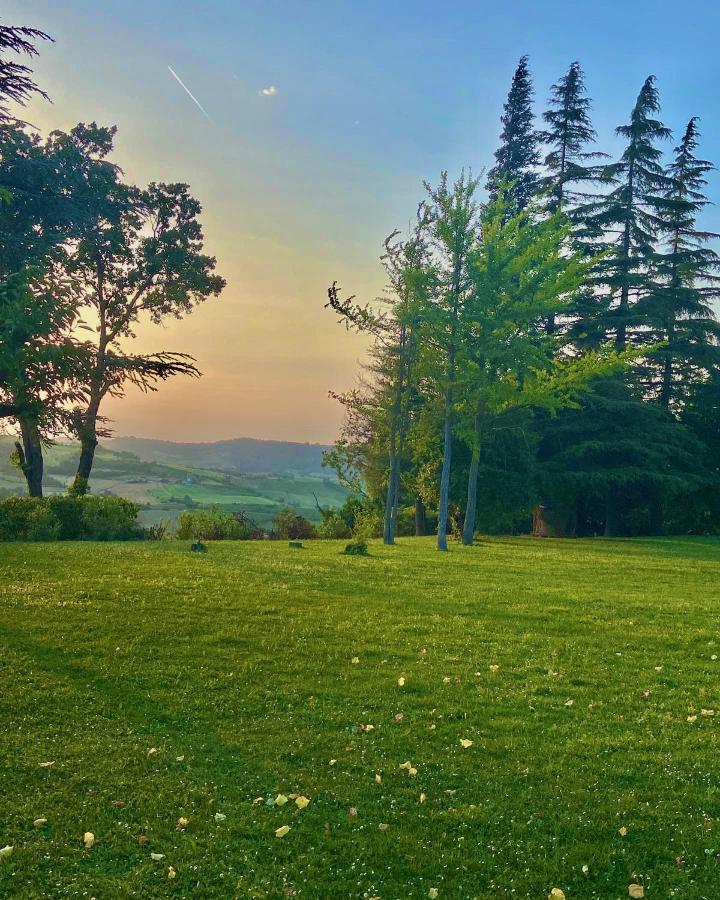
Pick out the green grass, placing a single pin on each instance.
(236, 665)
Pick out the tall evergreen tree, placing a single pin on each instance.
(680, 308)
(517, 158)
(568, 132)
(629, 214)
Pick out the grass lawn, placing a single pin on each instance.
(164, 685)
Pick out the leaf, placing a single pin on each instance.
(88, 839)
(433, 893)
(281, 800)
(585, 869)
(636, 891)
(556, 894)
(38, 823)
(355, 660)
(383, 826)
(6, 851)
(401, 681)
(152, 751)
(301, 802)
(171, 872)
(44, 765)
(464, 742)
(421, 798)
(622, 831)
(182, 823)
(494, 667)
(220, 817)
(156, 857)
(282, 831)
(707, 712)
(378, 777)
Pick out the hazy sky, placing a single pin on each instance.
(301, 183)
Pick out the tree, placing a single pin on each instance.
(679, 309)
(568, 132)
(520, 274)
(393, 353)
(518, 157)
(454, 234)
(607, 464)
(628, 216)
(141, 253)
(40, 363)
(16, 83)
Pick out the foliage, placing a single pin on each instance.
(68, 519)
(517, 158)
(288, 525)
(213, 524)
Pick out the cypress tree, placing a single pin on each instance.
(517, 157)
(680, 309)
(629, 214)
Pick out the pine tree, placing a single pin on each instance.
(629, 214)
(568, 133)
(517, 158)
(680, 308)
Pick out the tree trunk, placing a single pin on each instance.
(420, 517)
(468, 535)
(444, 501)
(610, 516)
(31, 457)
(390, 523)
(87, 433)
(656, 514)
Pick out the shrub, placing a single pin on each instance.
(212, 525)
(68, 518)
(356, 548)
(333, 525)
(290, 526)
(109, 519)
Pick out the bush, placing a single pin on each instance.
(333, 525)
(66, 518)
(290, 526)
(356, 548)
(212, 525)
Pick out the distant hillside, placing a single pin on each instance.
(247, 455)
(164, 478)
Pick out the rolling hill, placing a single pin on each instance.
(257, 477)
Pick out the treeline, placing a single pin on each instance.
(546, 357)
(84, 256)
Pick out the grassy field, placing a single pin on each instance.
(162, 700)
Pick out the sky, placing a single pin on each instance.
(319, 121)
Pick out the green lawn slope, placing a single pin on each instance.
(541, 712)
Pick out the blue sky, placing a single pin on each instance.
(300, 187)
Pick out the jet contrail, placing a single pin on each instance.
(189, 92)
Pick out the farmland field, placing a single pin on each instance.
(496, 722)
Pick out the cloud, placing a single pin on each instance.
(268, 91)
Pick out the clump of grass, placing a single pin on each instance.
(356, 548)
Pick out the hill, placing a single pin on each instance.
(248, 455)
(168, 479)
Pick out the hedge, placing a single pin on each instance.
(63, 518)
